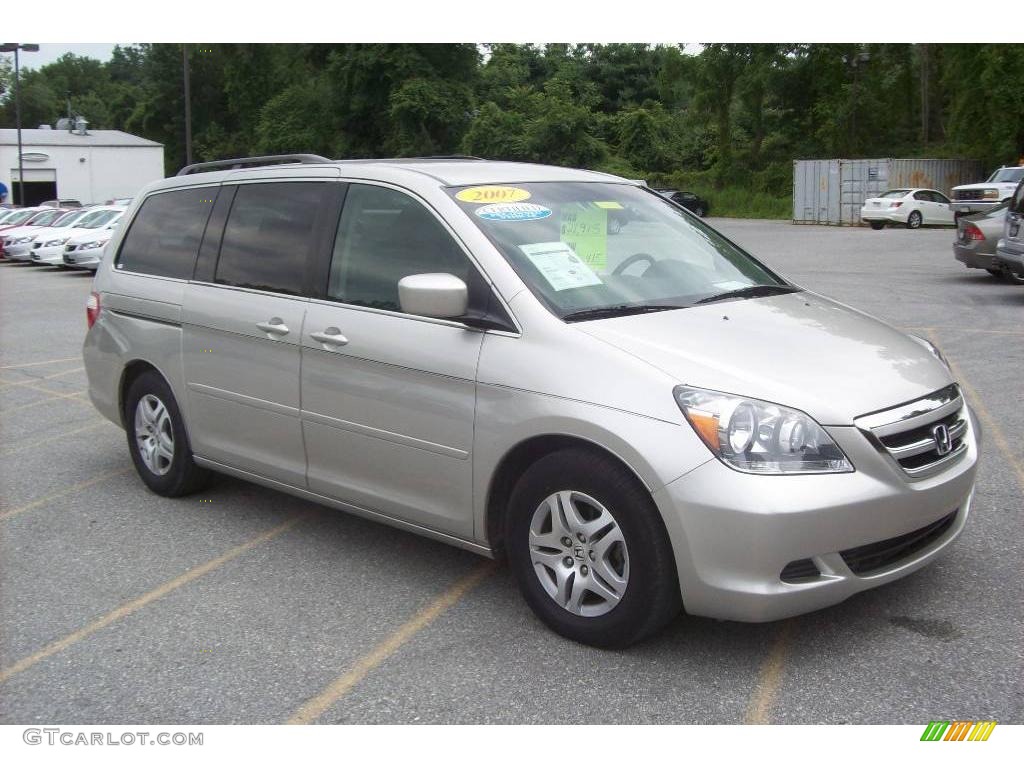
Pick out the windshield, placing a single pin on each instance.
(68, 219)
(44, 218)
(19, 217)
(98, 218)
(896, 193)
(1008, 175)
(588, 247)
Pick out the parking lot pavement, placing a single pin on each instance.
(246, 605)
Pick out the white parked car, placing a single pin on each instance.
(85, 251)
(18, 241)
(49, 249)
(55, 232)
(909, 207)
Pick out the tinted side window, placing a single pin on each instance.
(383, 236)
(926, 196)
(163, 239)
(938, 197)
(269, 235)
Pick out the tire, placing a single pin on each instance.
(170, 472)
(914, 220)
(877, 224)
(699, 212)
(1010, 277)
(640, 569)
(995, 272)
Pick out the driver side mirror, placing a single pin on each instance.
(437, 294)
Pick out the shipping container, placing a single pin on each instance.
(833, 191)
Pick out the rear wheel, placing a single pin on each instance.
(1010, 277)
(914, 220)
(878, 225)
(157, 439)
(590, 551)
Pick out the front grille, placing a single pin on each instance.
(969, 194)
(924, 436)
(800, 570)
(882, 554)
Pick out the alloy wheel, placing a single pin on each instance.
(154, 434)
(579, 553)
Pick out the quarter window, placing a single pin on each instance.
(163, 239)
(269, 236)
(383, 236)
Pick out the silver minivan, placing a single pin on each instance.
(557, 366)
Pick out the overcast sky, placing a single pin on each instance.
(49, 52)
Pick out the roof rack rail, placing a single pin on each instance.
(250, 162)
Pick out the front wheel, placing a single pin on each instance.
(699, 212)
(877, 225)
(915, 220)
(157, 439)
(590, 551)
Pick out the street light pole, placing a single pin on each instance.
(7, 48)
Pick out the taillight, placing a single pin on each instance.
(971, 232)
(895, 205)
(92, 308)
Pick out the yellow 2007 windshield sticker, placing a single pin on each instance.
(610, 205)
(492, 194)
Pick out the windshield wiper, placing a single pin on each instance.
(750, 292)
(618, 310)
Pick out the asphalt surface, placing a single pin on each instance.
(246, 605)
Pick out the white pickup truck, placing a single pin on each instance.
(974, 198)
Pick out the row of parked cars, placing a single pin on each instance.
(992, 240)
(58, 236)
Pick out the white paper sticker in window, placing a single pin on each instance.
(560, 265)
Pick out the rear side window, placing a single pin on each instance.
(164, 237)
(1017, 206)
(269, 236)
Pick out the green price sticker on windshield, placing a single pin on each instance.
(585, 230)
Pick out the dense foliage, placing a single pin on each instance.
(727, 120)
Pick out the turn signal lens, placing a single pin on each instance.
(760, 437)
(92, 308)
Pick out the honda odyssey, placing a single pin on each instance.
(640, 423)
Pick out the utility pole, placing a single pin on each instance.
(925, 91)
(7, 48)
(188, 106)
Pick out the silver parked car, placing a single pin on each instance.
(458, 348)
(1010, 248)
(976, 239)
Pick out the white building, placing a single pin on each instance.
(84, 165)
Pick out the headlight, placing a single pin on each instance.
(52, 243)
(759, 437)
(93, 244)
(991, 194)
(931, 348)
(20, 240)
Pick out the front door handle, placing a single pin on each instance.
(275, 326)
(329, 336)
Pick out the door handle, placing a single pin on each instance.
(330, 336)
(275, 326)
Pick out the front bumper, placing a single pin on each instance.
(18, 252)
(964, 207)
(54, 255)
(971, 257)
(734, 533)
(83, 259)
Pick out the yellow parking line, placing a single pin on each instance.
(37, 388)
(770, 677)
(69, 396)
(991, 425)
(22, 446)
(140, 602)
(40, 362)
(64, 373)
(9, 513)
(316, 706)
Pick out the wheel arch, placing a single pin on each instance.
(131, 371)
(517, 460)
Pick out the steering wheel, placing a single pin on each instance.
(636, 258)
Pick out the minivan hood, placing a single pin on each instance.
(798, 349)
